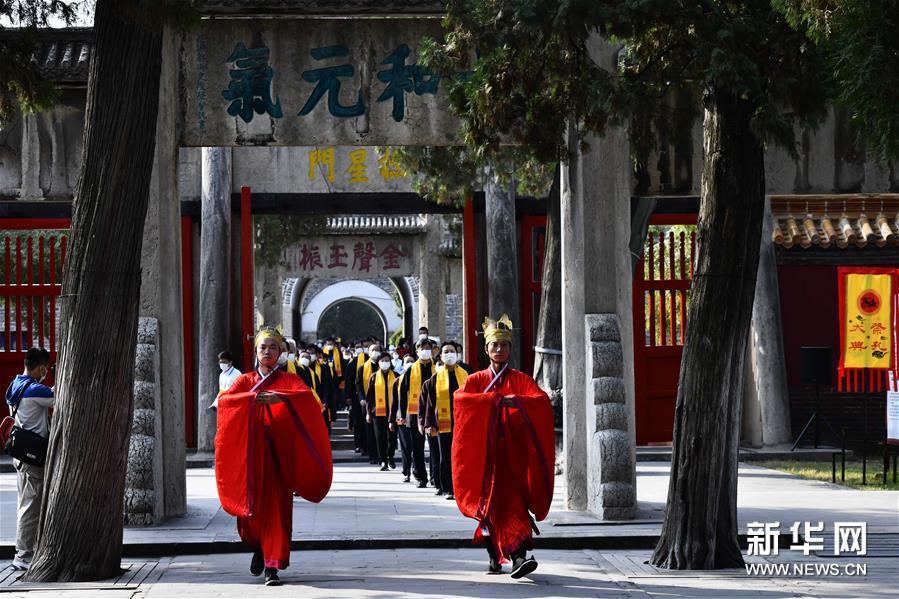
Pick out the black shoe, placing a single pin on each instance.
(384, 467)
(257, 564)
(406, 478)
(450, 496)
(494, 567)
(357, 450)
(391, 463)
(271, 577)
(522, 566)
(422, 484)
(439, 492)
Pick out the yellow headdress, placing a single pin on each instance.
(268, 333)
(497, 330)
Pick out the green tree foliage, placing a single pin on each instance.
(274, 233)
(21, 83)
(533, 65)
(860, 39)
(449, 175)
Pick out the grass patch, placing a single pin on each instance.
(822, 471)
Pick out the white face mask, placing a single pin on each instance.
(282, 359)
(384, 365)
(225, 366)
(329, 348)
(422, 336)
(357, 352)
(305, 361)
(450, 359)
(347, 356)
(407, 365)
(424, 354)
(374, 355)
(291, 357)
(394, 355)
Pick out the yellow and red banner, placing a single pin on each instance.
(867, 319)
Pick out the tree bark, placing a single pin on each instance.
(80, 532)
(700, 529)
(548, 366)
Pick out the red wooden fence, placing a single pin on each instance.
(33, 252)
(661, 298)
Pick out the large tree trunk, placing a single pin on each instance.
(80, 535)
(700, 529)
(548, 364)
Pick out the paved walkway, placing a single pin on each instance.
(451, 573)
(368, 508)
(417, 545)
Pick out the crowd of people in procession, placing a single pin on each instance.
(273, 436)
(396, 400)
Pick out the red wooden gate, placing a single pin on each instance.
(33, 253)
(661, 297)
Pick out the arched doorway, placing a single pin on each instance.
(388, 312)
(300, 312)
(352, 318)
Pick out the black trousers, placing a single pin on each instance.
(382, 435)
(418, 450)
(372, 441)
(446, 462)
(405, 436)
(357, 415)
(434, 462)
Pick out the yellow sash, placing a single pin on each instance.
(414, 389)
(314, 384)
(444, 420)
(291, 367)
(366, 376)
(381, 398)
(335, 356)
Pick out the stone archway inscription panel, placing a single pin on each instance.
(353, 257)
(301, 82)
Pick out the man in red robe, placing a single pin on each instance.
(271, 443)
(503, 454)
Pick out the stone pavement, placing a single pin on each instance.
(376, 536)
(450, 573)
(371, 509)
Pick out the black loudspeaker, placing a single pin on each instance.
(817, 365)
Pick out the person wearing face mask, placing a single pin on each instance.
(349, 382)
(357, 413)
(307, 375)
(28, 400)
(363, 380)
(397, 422)
(423, 334)
(332, 356)
(327, 388)
(227, 377)
(503, 434)
(274, 417)
(407, 409)
(377, 400)
(437, 397)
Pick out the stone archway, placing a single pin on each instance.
(294, 302)
(310, 310)
(359, 324)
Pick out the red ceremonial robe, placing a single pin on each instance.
(503, 457)
(263, 454)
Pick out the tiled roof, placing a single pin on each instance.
(838, 220)
(376, 224)
(63, 55)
